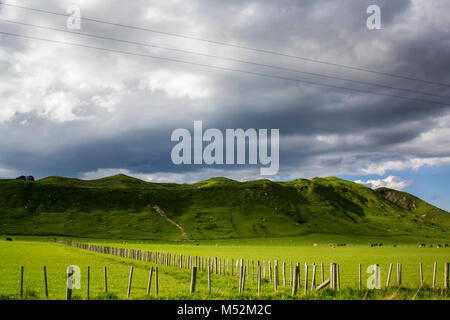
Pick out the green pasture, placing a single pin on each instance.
(174, 282)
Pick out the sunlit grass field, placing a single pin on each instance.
(174, 282)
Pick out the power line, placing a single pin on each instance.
(223, 68)
(226, 58)
(235, 46)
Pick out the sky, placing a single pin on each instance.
(81, 112)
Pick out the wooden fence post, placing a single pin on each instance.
(446, 276)
(270, 272)
(241, 270)
(259, 278)
(284, 274)
(88, 280)
(399, 274)
(275, 282)
(106, 279)
(421, 274)
(156, 281)
(130, 279)
(306, 277)
(149, 280)
(215, 265)
(45, 281)
(193, 279)
(209, 279)
(295, 280)
(69, 284)
(360, 277)
(332, 282)
(323, 285)
(389, 275)
(313, 280)
(243, 279)
(434, 275)
(21, 282)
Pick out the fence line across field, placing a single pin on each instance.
(333, 281)
(243, 270)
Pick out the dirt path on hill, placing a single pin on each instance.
(164, 215)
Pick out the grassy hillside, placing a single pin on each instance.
(122, 207)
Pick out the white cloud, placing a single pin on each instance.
(60, 106)
(177, 85)
(327, 139)
(415, 164)
(391, 182)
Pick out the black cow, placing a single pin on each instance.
(9, 239)
(26, 178)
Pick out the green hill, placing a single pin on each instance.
(121, 207)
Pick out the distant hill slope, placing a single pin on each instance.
(121, 207)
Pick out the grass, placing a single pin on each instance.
(122, 207)
(256, 220)
(174, 282)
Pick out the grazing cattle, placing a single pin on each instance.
(342, 244)
(9, 239)
(25, 178)
(446, 245)
(315, 245)
(395, 246)
(423, 245)
(380, 245)
(439, 246)
(374, 245)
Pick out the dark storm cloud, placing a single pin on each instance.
(69, 111)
